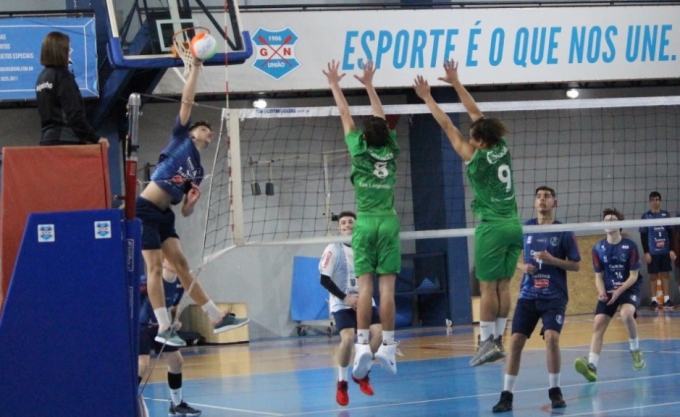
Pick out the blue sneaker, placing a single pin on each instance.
(170, 337)
(229, 322)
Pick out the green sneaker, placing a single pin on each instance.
(588, 370)
(229, 322)
(638, 362)
(170, 337)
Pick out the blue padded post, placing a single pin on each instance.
(67, 328)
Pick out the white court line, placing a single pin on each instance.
(599, 412)
(263, 413)
(494, 394)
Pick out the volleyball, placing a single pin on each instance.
(203, 46)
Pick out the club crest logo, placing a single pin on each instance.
(275, 52)
(554, 241)
(102, 230)
(559, 319)
(46, 233)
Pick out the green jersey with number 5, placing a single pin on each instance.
(373, 173)
(490, 175)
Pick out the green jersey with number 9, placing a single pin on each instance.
(490, 175)
(373, 173)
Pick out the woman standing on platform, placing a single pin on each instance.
(60, 104)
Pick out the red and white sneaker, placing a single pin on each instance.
(364, 384)
(341, 395)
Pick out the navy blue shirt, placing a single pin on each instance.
(550, 281)
(616, 262)
(173, 293)
(658, 242)
(179, 165)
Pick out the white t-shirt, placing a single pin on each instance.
(337, 262)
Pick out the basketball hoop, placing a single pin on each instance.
(181, 44)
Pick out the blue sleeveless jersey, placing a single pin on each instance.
(657, 236)
(549, 282)
(179, 165)
(615, 263)
(173, 293)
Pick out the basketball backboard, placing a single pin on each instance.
(142, 30)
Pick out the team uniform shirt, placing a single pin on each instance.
(657, 236)
(179, 165)
(373, 173)
(173, 293)
(550, 281)
(490, 175)
(615, 263)
(337, 262)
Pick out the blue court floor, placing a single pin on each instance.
(444, 386)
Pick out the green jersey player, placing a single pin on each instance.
(498, 237)
(375, 240)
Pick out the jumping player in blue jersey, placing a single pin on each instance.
(175, 180)
(657, 245)
(616, 262)
(148, 328)
(543, 295)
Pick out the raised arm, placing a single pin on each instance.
(463, 148)
(189, 92)
(367, 80)
(451, 77)
(334, 81)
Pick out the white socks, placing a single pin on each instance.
(212, 311)
(163, 317)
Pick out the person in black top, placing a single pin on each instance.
(60, 104)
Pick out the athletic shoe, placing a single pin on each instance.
(364, 384)
(556, 398)
(653, 305)
(505, 403)
(170, 337)
(341, 395)
(363, 358)
(183, 409)
(638, 362)
(229, 322)
(501, 350)
(386, 356)
(668, 305)
(588, 370)
(486, 352)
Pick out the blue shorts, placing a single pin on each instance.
(660, 263)
(347, 318)
(628, 297)
(147, 336)
(157, 225)
(527, 313)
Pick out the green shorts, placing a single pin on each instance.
(498, 244)
(376, 245)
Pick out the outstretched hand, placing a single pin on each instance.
(421, 87)
(451, 68)
(332, 73)
(367, 77)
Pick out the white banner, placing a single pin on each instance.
(493, 46)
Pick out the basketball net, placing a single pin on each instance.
(181, 46)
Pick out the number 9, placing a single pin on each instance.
(504, 176)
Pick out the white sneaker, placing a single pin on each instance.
(386, 355)
(363, 358)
